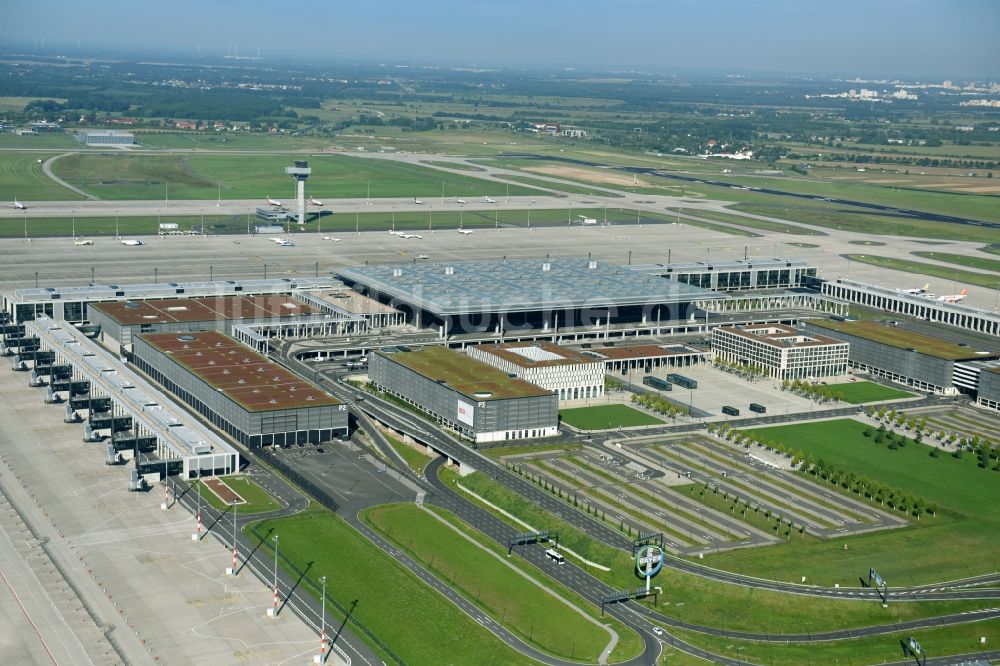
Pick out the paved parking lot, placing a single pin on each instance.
(158, 595)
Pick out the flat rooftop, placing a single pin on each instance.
(721, 265)
(521, 285)
(474, 379)
(901, 338)
(173, 310)
(780, 335)
(254, 382)
(536, 354)
(640, 352)
(110, 292)
(353, 302)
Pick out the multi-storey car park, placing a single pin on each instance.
(907, 357)
(783, 352)
(569, 373)
(475, 399)
(254, 400)
(512, 296)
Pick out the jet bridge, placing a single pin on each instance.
(181, 442)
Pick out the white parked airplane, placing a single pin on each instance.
(83, 242)
(125, 241)
(20, 206)
(313, 201)
(335, 240)
(393, 232)
(422, 256)
(918, 291)
(955, 298)
(465, 231)
(587, 220)
(419, 202)
(277, 240)
(273, 202)
(460, 202)
(488, 200)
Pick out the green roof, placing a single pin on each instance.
(465, 374)
(900, 338)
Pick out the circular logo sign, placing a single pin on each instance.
(649, 560)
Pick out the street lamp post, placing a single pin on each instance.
(197, 535)
(273, 612)
(322, 623)
(232, 571)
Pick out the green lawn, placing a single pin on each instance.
(559, 187)
(602, 417)
(21, 177)
(546, 623)
(42, 227)
(258, 500)
(258, 176)
(963, 493)
(963, 260)
(461, 166)
(415, 459)
(937, 642)
(857, 393)
(705, 602)
(417, 623)
(764, 225)
(922, 268)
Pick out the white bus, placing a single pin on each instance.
(555, 556)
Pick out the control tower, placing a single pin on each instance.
(300, 172)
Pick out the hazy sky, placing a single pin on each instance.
(929, 38)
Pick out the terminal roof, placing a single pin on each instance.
(243, 375)
(636, 352)
(536, 354)
(472, 378)
(521, 285)
(170, 310)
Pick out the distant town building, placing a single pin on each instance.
(105, 138)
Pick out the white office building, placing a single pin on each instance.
(105, 138)
(570, 374)
(782, 351)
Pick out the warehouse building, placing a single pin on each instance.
(783, 352)
(479, 401)
(121, 321)
(926, 363)
(254, 400)
(525, 295)
(572, 375)
(105, 138)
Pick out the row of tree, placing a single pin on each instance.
(744, 370)
(749, 439)
(819, 392)
(987, 452)
(657, 404)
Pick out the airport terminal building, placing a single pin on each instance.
(525, 294)
(479, 401)
(254, 400)
(782, 351)
(572, 375)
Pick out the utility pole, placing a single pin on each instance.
(232, 571)
(197, 535)
(273, 612)
(322, 633)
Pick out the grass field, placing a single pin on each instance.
(42, 227)
(461, 166)
(559, 187)
(963, 260)
(416, 622)
(45, 140)
(763, 225)
(545, 622)
(922, 268)
(257, 176)
(857, 393)
(257, 499)
(8, 103)
(937, 642)
(956, 486)
(414, 459)
(601, 417)
(702, 601)
(21, 177)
